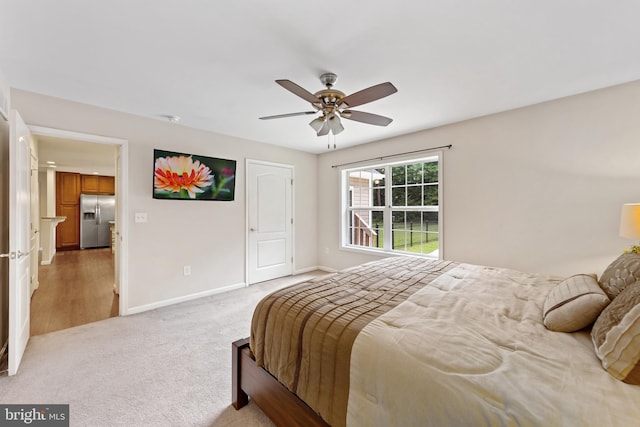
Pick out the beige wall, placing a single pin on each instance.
(208, 236)
(537, 189)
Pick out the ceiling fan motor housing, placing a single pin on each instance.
(329, 96)
(328, 79)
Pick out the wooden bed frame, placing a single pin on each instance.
(282, 406)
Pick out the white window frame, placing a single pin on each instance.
(388, 209)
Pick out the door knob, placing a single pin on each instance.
(21, 254)
(252, 229)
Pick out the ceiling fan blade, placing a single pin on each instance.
(368, 95)
(298, 90)
(279, 116)
(360, 116)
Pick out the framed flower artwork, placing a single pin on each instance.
(191, 177)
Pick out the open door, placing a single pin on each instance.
(19, 238)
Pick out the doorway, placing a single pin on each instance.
(82, 285)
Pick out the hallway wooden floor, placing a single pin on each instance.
(76, 288)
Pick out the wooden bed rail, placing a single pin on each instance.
(283, 407)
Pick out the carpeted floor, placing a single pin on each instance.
(166, 367)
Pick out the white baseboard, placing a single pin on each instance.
(315, 267)
(327, 269)
(152, 306)
(47, 261)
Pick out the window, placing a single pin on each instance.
(393, 207)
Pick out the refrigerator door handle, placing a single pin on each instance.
(98, 219)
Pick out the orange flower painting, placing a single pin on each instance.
(184, 176)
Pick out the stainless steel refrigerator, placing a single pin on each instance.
(95, 213)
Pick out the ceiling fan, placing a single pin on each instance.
(333, 104)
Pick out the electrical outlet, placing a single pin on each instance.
(140, 217)
(186, 270)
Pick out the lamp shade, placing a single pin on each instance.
(630, 221)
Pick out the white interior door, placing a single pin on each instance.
(34, 227)
(19, 239)
(270, 221)
(115, 249)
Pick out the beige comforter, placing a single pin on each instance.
(471, 349)
(303, 334)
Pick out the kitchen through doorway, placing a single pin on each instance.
(78, 283)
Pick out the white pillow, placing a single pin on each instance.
(574, 304)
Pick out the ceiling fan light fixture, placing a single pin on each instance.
(335, 125)
(324, 130)
(317, 123)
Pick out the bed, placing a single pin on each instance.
(411, 341)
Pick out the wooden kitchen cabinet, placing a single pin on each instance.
(68, 204)
(97, 184)
(68, 231)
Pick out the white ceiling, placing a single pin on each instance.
(214, 63)
(76, 156)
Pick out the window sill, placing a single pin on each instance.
(383, 253)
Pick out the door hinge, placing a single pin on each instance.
(291, 220)
(291, 181)
(291, 260)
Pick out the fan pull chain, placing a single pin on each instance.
(329, 141)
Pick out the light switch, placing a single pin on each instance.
(140, 217)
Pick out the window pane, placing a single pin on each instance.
(379, 177)
(413, 218)
(414, 173)
(378, 228)
(360, 184)
(378, 197)
(431, 235)
(430, 195)
(415, 232)
(414, 195)
(399, 196)
(364, 227)
(398, 174)
(401, 237)
(398, 220)
(431, 172)
(377, 220)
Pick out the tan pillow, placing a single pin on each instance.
(622, 272)
(574, 304)
(616, 335)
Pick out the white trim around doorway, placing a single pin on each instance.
(122, 196)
